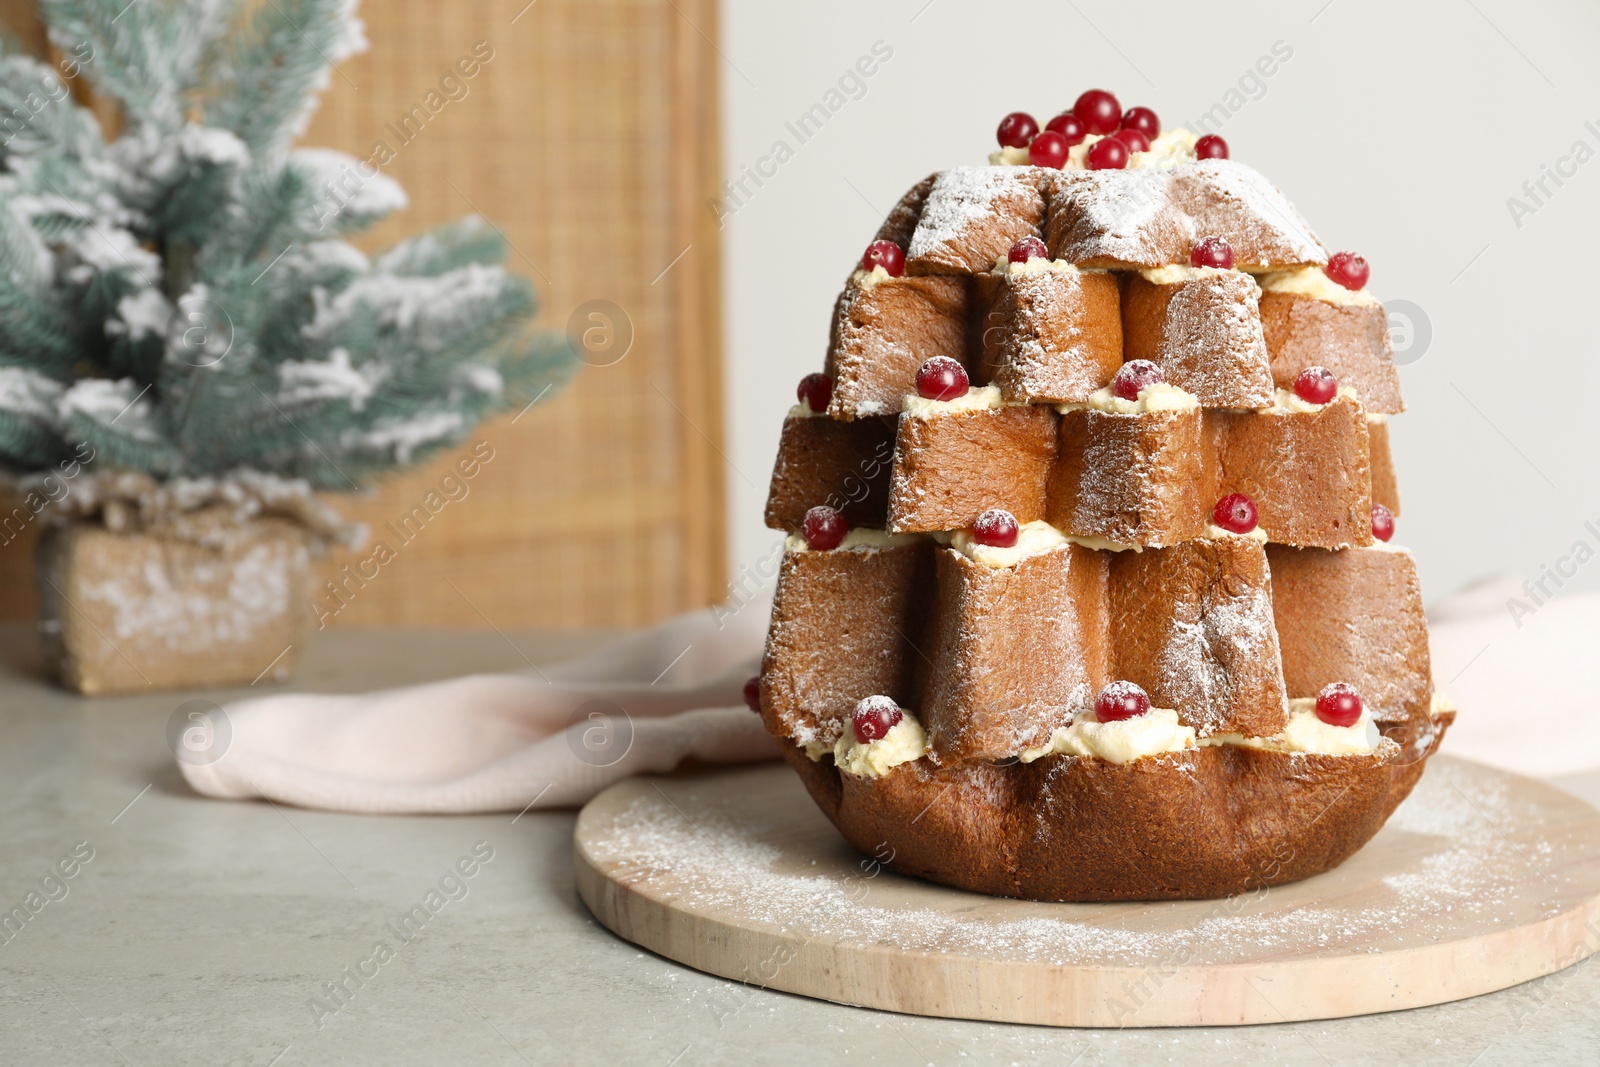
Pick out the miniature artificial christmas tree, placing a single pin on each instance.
(189, 344)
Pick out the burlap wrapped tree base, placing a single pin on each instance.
(124, 612)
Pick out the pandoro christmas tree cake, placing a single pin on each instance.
(1089, 590)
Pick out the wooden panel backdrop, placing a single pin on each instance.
(590, 137)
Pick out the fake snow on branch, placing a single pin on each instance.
(180, 302)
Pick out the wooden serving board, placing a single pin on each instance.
(1483, 879)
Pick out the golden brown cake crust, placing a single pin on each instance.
(1385, 486)
(883, 332)
(1136, 479)
(1310, 473)
(1352, 341)
(843, 465)
(952, 468)
(972, 216)
(1353, 616)
(1059, 336)
(1193, 625)
(1016, 651)
(843, 626)
(1204, 334)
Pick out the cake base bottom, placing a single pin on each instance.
(1201, 823)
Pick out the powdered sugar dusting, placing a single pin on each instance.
(1212, 344)
(1204, 658)
(782, 867)
(1122, 215)
(963, 198)
(1238, 202)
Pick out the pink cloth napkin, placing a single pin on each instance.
(497, 742)
(1519, 665)
(508, 742)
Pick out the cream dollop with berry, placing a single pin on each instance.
(984, 398)
(881, 736)
(860, 539)
(1172, 148)
(1178, 273)
(1285, 401)
(1122, 727)
(1308, 734)
(1157, 397)
(1150, 734)
(1029, 539)
(1335, 722)
(1315, 283)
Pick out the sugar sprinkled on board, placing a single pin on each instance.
(725, 860)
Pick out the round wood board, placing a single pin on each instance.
(1481, 880)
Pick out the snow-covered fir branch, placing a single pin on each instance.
(183, 300)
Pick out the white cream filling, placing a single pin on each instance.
(860, 539)
(1078, 154)
(1285, 401)
(1158, 397)
(904, 742)
(803, 411)
(1171, 148)
(1102, 544)
(1154, 732)
(1036, 265)
(1308, 734)
(867, 279)
(1315, 283)
(1217, 533)
(1007, 156)
(1178, 273)
(1033, 539)
(984, 398)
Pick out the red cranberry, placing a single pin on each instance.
(1142, 119)
(886, 254)
(752, 694)
(1119, 701)
(1049, 149)
(1134, 375)
(1211, 147)
(1108, 153)
(1134, 139)
(815, 391)
(1316, 385)
(1027, 248)
(941, 378)
(1016, 130)
(1069, 126)
(1211, 252)
(874, 718)
(823, 528)
(1339, 705)
(1382, 522)
(1235, 513)
(1348, 269)
(1099, 111)
(996, 528)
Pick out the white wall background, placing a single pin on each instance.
(1399, 131)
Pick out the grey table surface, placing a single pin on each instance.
(203, 932)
